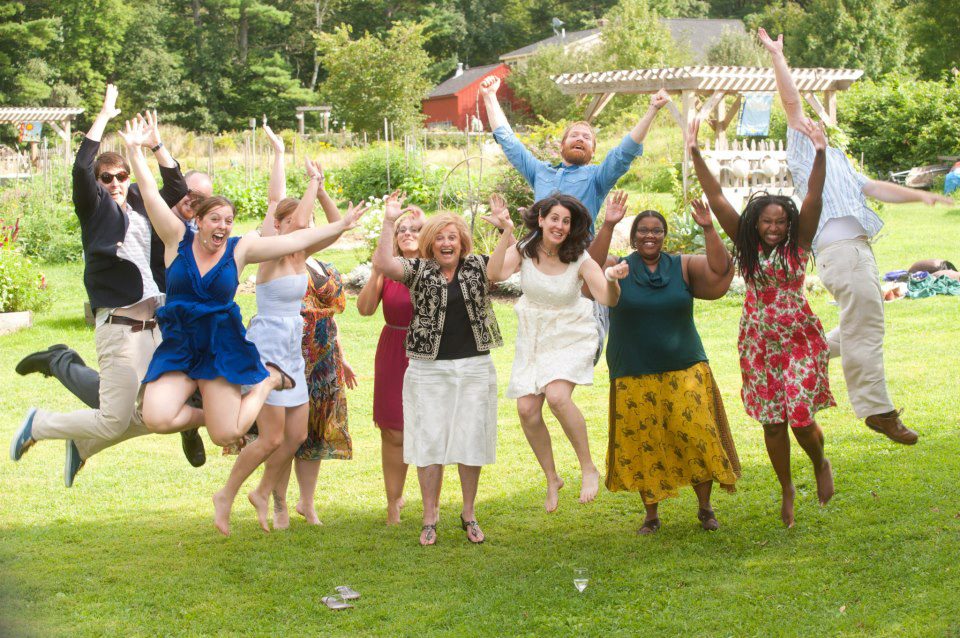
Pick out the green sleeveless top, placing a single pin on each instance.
(651, 329)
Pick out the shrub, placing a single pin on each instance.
(22, 285)
(49, 228)
(248, 197)
(367, 174)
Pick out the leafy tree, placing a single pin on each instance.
(736, 49)
(371, 78)
(533, 82)
(22, 73)
(934, 27)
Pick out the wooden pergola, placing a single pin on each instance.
(58, 118)
(702, 90)
(324, 113)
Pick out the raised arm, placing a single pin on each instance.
(383, 259)
(164, 220)
(85, 189)
(503, 262)
(709, 276)
(726, 215)
(174, 185)
(896, 194)
(369, 298)
(812, 204)
(108, 111)
(488, 92)
(315, 171)
(277, 188)
(604, 284)
(786, 88)
(639, 132)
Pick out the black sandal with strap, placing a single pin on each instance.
(651, 526)
(708, 520)
(284, 377)
(431, 535)
(472, 526)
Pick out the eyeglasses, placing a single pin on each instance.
(405, 230)
(107, 178)
(651, 232)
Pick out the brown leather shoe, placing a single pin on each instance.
(892, 427)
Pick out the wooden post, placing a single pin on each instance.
(720, 129)
(687, 98)
(830, 97)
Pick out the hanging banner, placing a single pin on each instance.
(30, 131)
(755, 116)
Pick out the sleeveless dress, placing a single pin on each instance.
(784, 354)
(327, 433)
(277, 331)
(556, 330)
(203, 333)
(391, 360)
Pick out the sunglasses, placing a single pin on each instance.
(107, 178)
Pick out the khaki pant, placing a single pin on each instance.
(849, 271)
(123, 356)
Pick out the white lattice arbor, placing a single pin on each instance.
(702, 90)
(58, 118)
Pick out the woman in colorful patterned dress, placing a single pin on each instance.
(783, 349)
(391, 361)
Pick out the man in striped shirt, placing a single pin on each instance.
(845, 259)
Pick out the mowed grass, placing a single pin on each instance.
(130, 550)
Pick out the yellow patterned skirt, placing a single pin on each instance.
(669, 430)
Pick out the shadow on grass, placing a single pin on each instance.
(63, 323)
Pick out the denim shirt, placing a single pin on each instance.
(590, 183)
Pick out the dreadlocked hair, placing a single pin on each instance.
(577, 240)
(747, 243)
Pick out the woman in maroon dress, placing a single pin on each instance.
(391, 359)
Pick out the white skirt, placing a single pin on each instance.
(450, 412)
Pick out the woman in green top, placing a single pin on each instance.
(668, 428)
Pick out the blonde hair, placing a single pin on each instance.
(432, 228)
(593, 131)
(285, 208)
(396, 236)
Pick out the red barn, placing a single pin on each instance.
(454, 102)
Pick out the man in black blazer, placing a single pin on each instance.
(124, 276)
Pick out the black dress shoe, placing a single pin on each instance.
(40, 361)
(193, 447)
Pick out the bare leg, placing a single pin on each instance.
(307, 473)
(560, 399)
(651, 522)
(530, 410)
(810, 439)
(164, 404)
(469, 481)
(281, 515)
(777, 440)
(278, 463)
(249, 459)
(394, 472)
(431, 479)
(708, 519)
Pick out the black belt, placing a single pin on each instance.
(136, 324)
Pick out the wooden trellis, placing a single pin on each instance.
(59, 120)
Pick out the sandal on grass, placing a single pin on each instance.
(335, 603)
(347, 593)
(286, 381)
(472, 528)
(708, 520)
(428, 535)
(651, 526)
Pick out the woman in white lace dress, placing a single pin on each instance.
(556, 330)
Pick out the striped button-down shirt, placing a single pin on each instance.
(843, 189)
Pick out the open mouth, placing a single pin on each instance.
(218, 237)
(446, 252)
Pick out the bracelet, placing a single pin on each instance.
(157, 147)
(607, 276)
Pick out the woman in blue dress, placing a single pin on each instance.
(204, 342)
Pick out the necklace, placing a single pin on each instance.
(547, 252)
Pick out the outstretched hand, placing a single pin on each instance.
(151, 128)
(349, 376)
(134, 133)
(109, 108)
(693, 132)
(499, 213)
(275, 140)
(353, 215)
(490, 85)
(313, 167)
(932, 199)
(620, 271)
(616, 208)
(393, 206)
(816, 133)
(416, 213)
(701, 213)
(660, 99)
(775, 47)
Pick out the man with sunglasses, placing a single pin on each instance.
(124, 276)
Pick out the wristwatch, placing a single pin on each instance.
(157, 147)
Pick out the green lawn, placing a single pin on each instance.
(131, 549)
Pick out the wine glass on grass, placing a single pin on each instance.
(581, 578)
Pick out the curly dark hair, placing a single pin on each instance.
(746, 245)
(578, 239)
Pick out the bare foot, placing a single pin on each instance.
(403, 502)
(553, 494)
(589, 486)
(262, 505)
(281, 517)
(308, 513)
(393, 512)
(824, 482)
(221, 512)
(786, 508)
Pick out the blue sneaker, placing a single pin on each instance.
(72, 464)
(23, 439)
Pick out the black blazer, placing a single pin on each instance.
(112, 281)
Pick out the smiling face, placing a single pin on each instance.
(648, 239)
(578, 145)
(118, 184)
(215, 226)
(555, 226)
(446, 247)
(408, 237)
(773, 225)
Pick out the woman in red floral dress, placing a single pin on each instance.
(783, 350)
